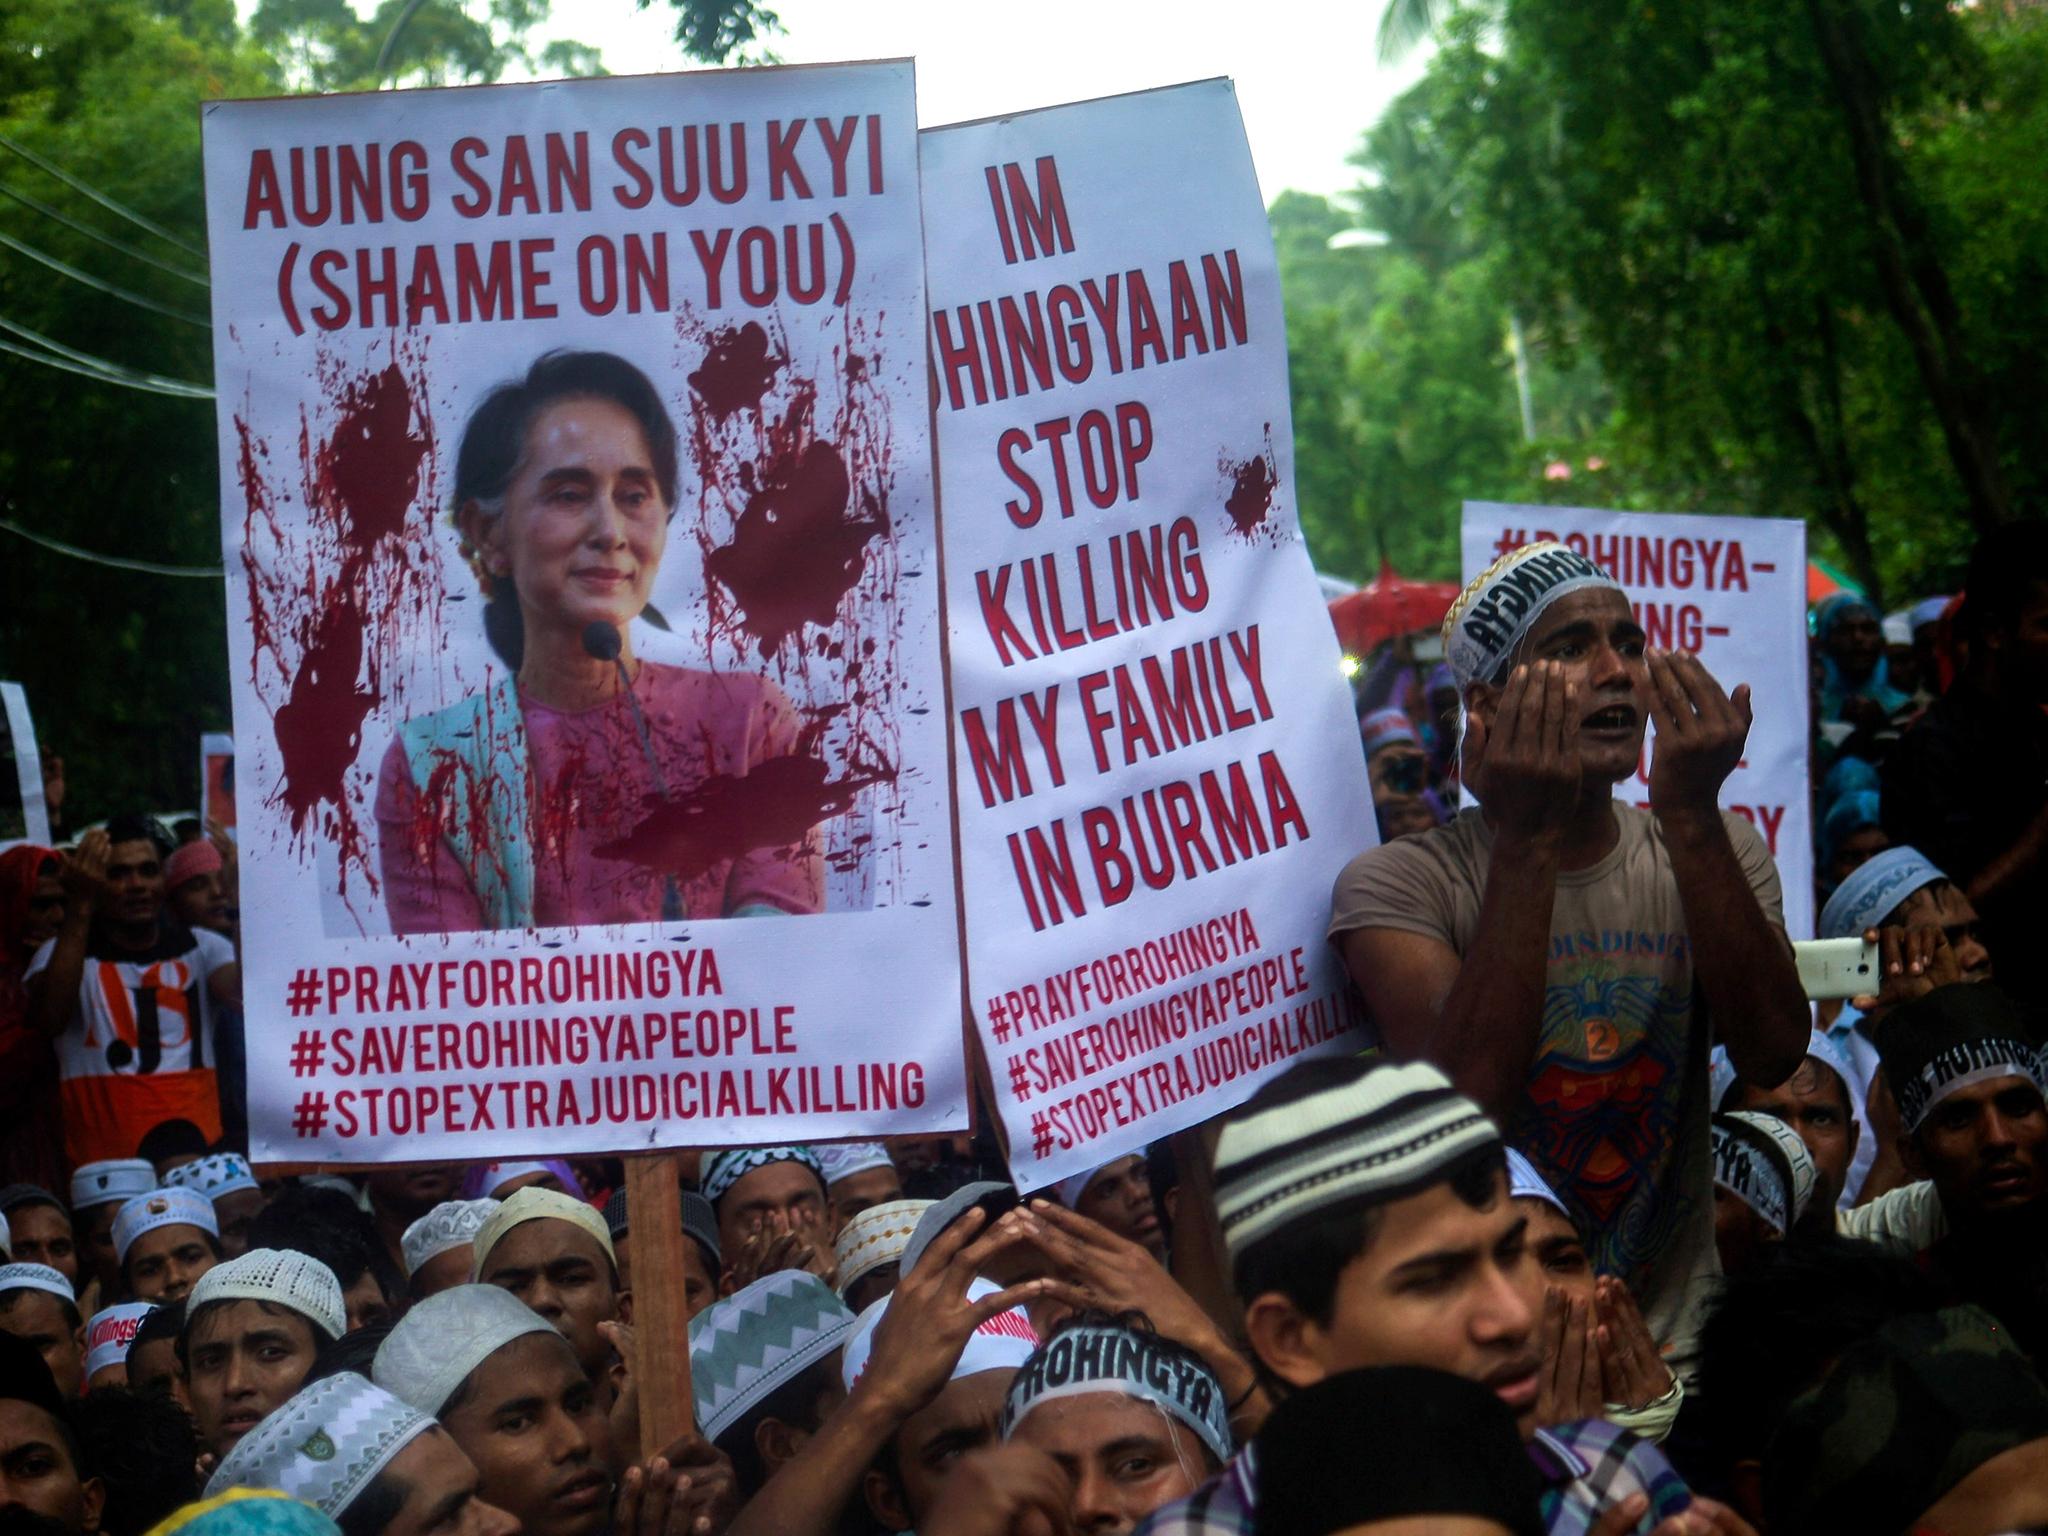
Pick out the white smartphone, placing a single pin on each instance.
(1836, 967)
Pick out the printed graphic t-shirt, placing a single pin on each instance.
(139, 1047)
(1615, 1114)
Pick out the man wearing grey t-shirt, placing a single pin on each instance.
(1556, 953)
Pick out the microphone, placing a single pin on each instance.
(603, 642)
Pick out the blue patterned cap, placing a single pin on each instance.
(758, 1340)
(220, 1174)
(726, 1169)
(1874, 888)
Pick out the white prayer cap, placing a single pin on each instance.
(843, 1159)
(36, 1277)
(325, 1445)
(1003, 1342)
(758, 1340)
(161, 1208)
(877, 1236)
(111, 1181)
(279, 1275)
(1525, 1183)
(221, 1174)
(442, 1339)
(110, 1332)
(536, 1204)
(451, 1224)
(6, 1239)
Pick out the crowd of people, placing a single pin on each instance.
(1612, 1231)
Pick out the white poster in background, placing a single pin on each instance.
(24, 818)
(478, 926)
(1732, 591)
(1156, 761)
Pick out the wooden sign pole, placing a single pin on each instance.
(661, 1349)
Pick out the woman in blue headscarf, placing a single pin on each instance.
(1854, 685)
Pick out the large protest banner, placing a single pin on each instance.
(24, 818)
(1731, 590)
(1157, 766)
(585, 613)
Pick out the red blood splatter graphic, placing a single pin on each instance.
(1251, 493)
(334, 598)
(737, 371)
(320, 726)
(795, 551)
(369, 469)
(773, 805)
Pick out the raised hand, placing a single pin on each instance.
(1010, 1490)
(1912, 962)
(1569, 1382)
(1632, 1372)
(1700, 733)
(1524, 765)
(83, 873)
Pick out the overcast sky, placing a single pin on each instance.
(1306, 71)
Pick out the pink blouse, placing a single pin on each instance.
(590, 787)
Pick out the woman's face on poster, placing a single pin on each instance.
(584, 523)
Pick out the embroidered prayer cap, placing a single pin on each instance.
(220, 1174)
(111, 1182)
(451, 1224)
(6, 1240)
(36, 1277)
(1874, 889)
(988, 1194)
(162, 1208)
(109, 1333)
(1721, 1078)
(325, 1445)
(1903, 1416)
(722, 1170)
(441, 1340)
(1000, 1343)
(1525, 1183)
(1385, 727)
(1326, 1136)
(1096, 1357)
(280, 1275)
(246, 1512)
(1502, 603)
(189, 861)
(1761, 1161)
(877, 1236)
(843, 1159)
(534, 1204)
(1955, 1037)
(759, 1339)
(1441, 1445)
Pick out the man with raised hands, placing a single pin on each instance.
(1550, 951)
(925, 1375)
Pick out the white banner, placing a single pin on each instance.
(24, 817)
(1157, 765)
(1732, 591)
(530, 813)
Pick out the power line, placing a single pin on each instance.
(143, 300)
(93, 234)
(99, 197)
(99, 367)
(118, 562)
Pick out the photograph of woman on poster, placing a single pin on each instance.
(587, 785)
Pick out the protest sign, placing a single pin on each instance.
(1732, 591)
(217, 780)
(24, 818)
(585, 615)
(1157, 767)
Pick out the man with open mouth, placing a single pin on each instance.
(1557, 950)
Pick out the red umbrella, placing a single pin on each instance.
(1387, 606)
